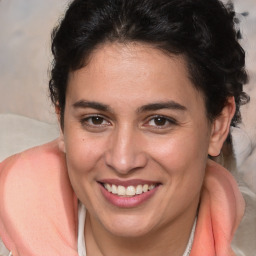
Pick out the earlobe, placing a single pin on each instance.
(57, 111)
(61, 142)
(221, 127)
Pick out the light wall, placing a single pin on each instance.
(25, 57)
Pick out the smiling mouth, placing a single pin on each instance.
(129, 191)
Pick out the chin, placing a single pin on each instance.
(129, 226)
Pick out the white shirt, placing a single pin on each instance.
(80, 241)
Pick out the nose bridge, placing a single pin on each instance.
(124, 153)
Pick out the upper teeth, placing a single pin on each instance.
(128, 191)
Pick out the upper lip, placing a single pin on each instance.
(126, 183)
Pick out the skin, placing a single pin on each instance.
(125, 140)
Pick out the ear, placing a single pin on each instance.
(61, 142)
(220, 127)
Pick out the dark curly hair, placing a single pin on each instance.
(202, 31)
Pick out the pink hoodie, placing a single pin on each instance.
(38, 209)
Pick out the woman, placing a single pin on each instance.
(145, 92)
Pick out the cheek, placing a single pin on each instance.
(181, 150)
(82, 151)
(82, 155)
(183, 159)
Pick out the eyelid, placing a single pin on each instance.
(84, 121)
(171, 121)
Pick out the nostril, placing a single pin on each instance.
(124, 155)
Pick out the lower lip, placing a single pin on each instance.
(127, 202)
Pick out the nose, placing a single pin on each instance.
(125, 151)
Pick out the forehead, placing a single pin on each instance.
(135, 73)
(139, 60)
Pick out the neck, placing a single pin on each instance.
(171, 239)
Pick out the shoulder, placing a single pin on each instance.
(34, 157)
(37, 199)
(25, 176)
(30, 170)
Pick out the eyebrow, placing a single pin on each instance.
(92, 104)
(162, 105)
(148, 107)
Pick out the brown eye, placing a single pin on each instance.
(160, 121)
(97, 120)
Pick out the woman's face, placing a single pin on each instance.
(136, 138)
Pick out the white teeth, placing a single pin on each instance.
(109, 188)
(139, 190)
(151, 187)
(130, 190)
(145, 188)
(113, 189)
(121, 191)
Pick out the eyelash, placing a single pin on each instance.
(85, 121)
(88, 122)
(168, 120)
